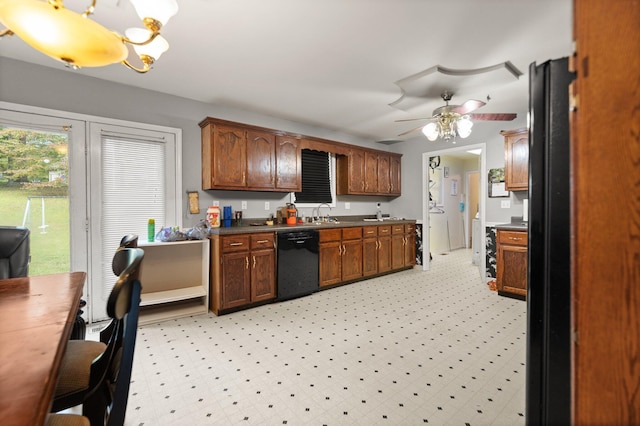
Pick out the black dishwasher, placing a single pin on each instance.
(297, 263)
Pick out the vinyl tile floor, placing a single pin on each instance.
(409, 348)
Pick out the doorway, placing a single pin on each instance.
(454, 201)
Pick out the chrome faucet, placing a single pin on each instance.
(316, 216)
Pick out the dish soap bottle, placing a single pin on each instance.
(151, 230)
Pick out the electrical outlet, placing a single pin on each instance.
(266, 205)
(216, 203)
(244, 205)
(347, 206)
(505, 204)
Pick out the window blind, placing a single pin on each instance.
(133, 191)
(316, 182)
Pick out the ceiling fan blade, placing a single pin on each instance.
(411, 131)
(493, 116)
(414, 119)
(468, 106)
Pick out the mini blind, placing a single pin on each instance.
(133, 190)
(316, 181)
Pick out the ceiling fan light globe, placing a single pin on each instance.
(431, 131)
(160, 10)
(153, 49)
(464, 126)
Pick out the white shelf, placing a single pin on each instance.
(175, 279)
(175, 295)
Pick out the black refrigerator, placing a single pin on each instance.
(548, 400)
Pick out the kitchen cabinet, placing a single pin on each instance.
(403, 246)
(242, 157)
(243, 270)
(376, 249)
(288, 164)
(368, 172)
(516, 159)
(175, 280)
(340, 255)
(511, 263)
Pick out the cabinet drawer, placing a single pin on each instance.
(262, 241)
(397, 229)
(409, 228)
(351, 233)
(384, 230)
(330, 235)
(235, 243)
(516, 238)
(369, 231)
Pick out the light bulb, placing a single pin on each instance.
(431, 131)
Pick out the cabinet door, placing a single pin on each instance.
(369, 256)
(384, 254)
(384, 183)
(230, 157)
(236, 284)
(511, 272)
(356, 172)
(516, 160)
(410, 250)
(288, 164)
(394, 175)
(397, 251)
(351, 259)
(263, 285)
(371, 172)
(261, 160)
(330, 263)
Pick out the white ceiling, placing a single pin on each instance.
(334, 63)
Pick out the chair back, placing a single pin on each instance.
(119, 262)
(14, 252)
(111, 371)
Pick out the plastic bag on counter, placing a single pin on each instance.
(170, 234)
(198, 232)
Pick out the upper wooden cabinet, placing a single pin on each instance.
(241, 157)
(368, 172)
(516, 159)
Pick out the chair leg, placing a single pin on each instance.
(95, 408)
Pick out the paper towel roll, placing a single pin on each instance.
(525, 210)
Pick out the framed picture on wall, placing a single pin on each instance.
(496, 183)
(435, 186)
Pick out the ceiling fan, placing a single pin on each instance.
(449, 121)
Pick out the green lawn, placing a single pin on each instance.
(49, 250)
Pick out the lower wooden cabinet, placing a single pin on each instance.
(403, 245)
(242, 270)
(376, 249)
(511, 263)
(340, 255)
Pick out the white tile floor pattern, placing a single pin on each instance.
(409, 348)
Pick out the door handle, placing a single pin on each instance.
(246, 262)
(254, 262)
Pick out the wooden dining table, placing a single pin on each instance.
(36, 319)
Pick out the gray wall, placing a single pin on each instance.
(66, 90)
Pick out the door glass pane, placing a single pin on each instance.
(34, 193)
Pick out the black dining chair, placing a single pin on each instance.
(15, 252)
(105, 380)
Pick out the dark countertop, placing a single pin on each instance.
(246, 228)
(516, 224)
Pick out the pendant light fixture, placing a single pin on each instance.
(78, 41)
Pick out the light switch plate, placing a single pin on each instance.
(266, 205)
(216, 203)
(244, 205)
(505, 204)
(347, 206)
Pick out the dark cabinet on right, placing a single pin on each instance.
(511, 263)
(516, 159)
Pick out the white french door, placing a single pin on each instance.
(43, 187)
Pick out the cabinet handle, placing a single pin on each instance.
(246, 262)
(236, 244)
(244, 178)
(262, 241)
(377, 245)
(344, 250)
(254, 262)
(515, 238)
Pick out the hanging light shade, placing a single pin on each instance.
(431, 131)
(78, 41)
(463, 126)
(447, 126)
